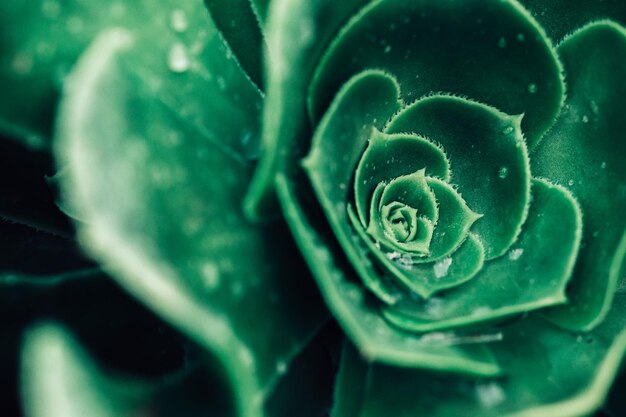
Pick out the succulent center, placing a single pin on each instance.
(399, 221)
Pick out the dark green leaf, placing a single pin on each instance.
(239, 24)
(359, 315)
(549, 372)
(488, 161)
(533, 274)
(297, 32)
(562, 17)
(491, 51)
(585, 152)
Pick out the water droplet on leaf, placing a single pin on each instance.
(178, 20)
(515, 254)
(178, 59)
(441, 268)
(210, 275)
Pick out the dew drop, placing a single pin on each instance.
(281, 367)
(22, 64)
(532, 88)
(178, 59)
(490, 394)
(603, 165)
(585, 119)
(237, 289)
(441, 268)
(594, 107)
(178, 20)
(51, 8)
(520, 37)
(502, 43)
(75, 25)
(508, 130)
(481, 311)
(503, 172)
(570, 182)
(387, 49)
(515, 254)
(210, 275)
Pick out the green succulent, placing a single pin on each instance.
(449, 173)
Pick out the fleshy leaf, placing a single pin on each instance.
(366, 101)
(297, 33)
(239, 24)
(403, 216)
(173, 236)
(455, 220)
(562, 17)
(359, 315)
(488, 160)
(549, 373)
(427, 278)
(43, 39)
(388, 157)
(533, 274)
(585, 152)
(490, 51)
(60, 380)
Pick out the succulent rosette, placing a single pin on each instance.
(448, 175)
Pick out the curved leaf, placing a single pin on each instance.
(584, 152)
(359, 315)
(366, 101)
(172, 235)
(390, 156)
(239, 24)
(41, 41)
(297, 33)
(533, 275)
(549, 372)
(59, 380)
(493, 176)
(490, 51)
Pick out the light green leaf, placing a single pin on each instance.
(390, 156)
(172, 235)
(585, 153)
